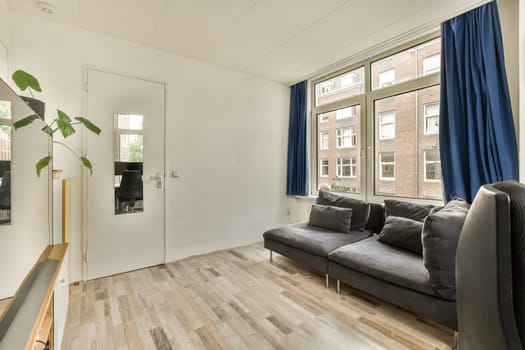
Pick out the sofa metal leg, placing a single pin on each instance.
(455, 346)
(338, 288)
(327, 281)
(271, 256)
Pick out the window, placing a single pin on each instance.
(323, 118)
(344, 113)
(327, 87)
(431, 64)
(340, 87)
(399, 125)
(387, 170)
(387, 125)
(409, 64)
(432, 165)
(323, 168)
(431, 112)
(323, 140)
(346, 167)
(346, 137)
(387, 78)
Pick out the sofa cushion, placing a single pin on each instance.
(402, 233)
(386, 263)
(407, 210)
(440, 237)
(360, 209)
(333, 218)
(314, 240)
(376, 219)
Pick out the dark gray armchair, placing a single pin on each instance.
(490, 270)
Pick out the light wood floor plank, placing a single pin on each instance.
(237, 299)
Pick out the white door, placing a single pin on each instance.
(125, 194)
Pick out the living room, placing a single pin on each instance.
(208, 86)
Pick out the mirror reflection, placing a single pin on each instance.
(5, 162)
(128, 163)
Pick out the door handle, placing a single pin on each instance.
(158, 179)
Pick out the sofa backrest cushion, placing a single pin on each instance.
(332, 218)
(441, 231)
(360, 209)
(407, 210)
(376, 219)
(402, 233)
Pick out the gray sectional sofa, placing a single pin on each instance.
(358, 259)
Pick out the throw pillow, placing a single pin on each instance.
(402, 233)
(360, 209)
(407, 210)
(332, 218)
(440, 237)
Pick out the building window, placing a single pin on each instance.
(399, 121)
(347, 112)
(431, 64)
(387, 77)
(346, 167)
(323, 168)
(432, 165)
(323, 118)
(346, 137)
(326, 87)
(431, 112)
(387, 125)
(387, 168)
(323, 140)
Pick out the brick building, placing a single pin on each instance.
(406, 129)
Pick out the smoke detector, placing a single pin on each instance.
(46, 8)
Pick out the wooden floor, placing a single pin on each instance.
(4, 303)
(236, 299)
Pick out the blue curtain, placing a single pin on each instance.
(477, 137)
(297, 179)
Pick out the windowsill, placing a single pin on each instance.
(310, 197)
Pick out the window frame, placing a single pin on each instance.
(381, 124)
(433, 71)
(324, 132)
(352, 164)
(425, 162)
(393, 163)
(367, 118)
(389, 83)
(340, 136)
(321, 167)
(426, 117)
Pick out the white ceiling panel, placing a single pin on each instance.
(281, 40)
(264, 28)
(134, 20)
(66, 10)
(193, 27)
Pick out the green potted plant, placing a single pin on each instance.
(62, 122)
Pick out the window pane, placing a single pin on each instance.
(401, 169)
(130, 121)
(341, 136)
(340, 87)
(407, 65)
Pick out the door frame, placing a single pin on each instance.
(84, 172)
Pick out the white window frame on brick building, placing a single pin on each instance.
(387, 129)
(431, 162)
(387, 77)
(323, 118)
(383, 163)
(348, 163)
(431, 114)
(345, 113)
(323, 168)
(324, 140)
(346, 137)
(432, 64)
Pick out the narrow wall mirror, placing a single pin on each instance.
(5, 161)
(128, 178)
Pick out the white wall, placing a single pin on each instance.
(226, 134)
(5, 38)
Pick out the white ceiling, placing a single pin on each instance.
(280, 40)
